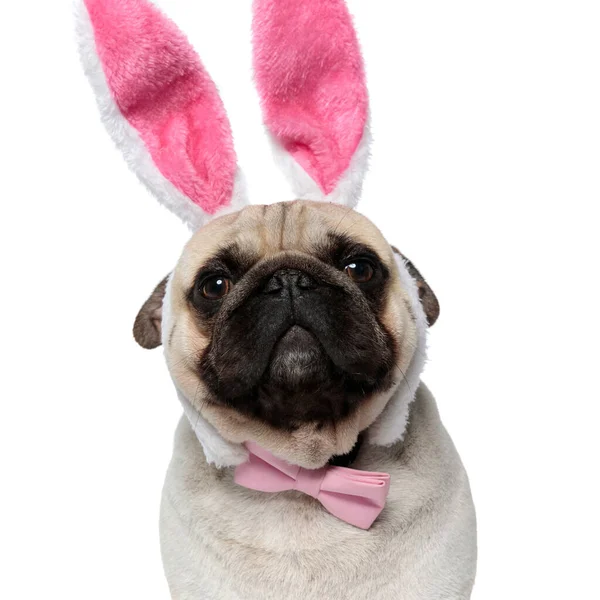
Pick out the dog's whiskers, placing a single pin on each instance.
(406, 381)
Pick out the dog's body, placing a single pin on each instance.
(223, 542)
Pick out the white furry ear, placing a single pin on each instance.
(161, 107)
(311, 81)
(390, 426)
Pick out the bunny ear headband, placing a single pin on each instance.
(164, 112)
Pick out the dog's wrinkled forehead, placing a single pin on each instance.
(258, 232)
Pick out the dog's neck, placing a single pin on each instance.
(388, 428)
(346, 460)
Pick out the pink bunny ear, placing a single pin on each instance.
(311, 81)
(161, 107)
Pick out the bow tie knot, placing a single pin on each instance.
(309, 481)
(354, 496)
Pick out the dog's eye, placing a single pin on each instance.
(359, 270)
(216, 287)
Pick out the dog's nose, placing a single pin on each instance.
(289, 280)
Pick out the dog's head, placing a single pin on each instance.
(290, 324)
(287, 324)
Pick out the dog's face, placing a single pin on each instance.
(287, 324)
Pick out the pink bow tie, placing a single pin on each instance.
(356, 497)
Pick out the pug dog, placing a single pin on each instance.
(289, 325)
(294, 333)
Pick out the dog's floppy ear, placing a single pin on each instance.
(430, 303)
(147, 328)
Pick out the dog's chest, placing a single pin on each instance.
(223, 542)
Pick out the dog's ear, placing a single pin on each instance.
(147, 328)
(430, 303)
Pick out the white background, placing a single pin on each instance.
(485, 172)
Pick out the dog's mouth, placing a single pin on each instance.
(301, 383)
